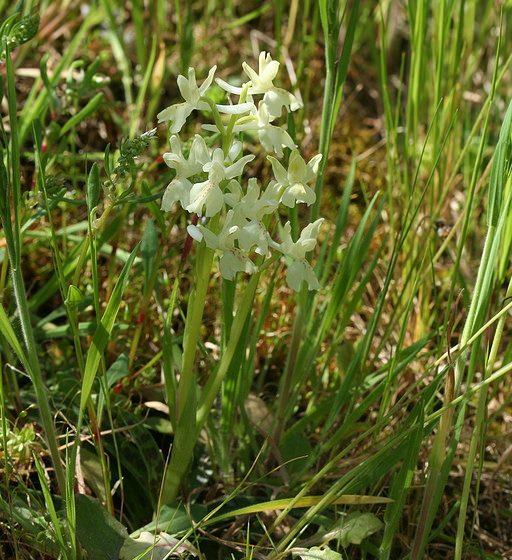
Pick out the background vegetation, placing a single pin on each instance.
(384, 397)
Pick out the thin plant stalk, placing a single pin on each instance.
(14, 245)
(483, 287)
(186, 398)
(476, 436)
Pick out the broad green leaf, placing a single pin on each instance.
(174, 519)
(317, 553)
(357, 526)
(158, 424)
(91, 470)
(149, 244)
(148, 250)
(150, 547)
(295, 450)
(117, 370)
(100, 534)
(32, 524)
(142, 458)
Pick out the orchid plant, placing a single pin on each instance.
(236, 215)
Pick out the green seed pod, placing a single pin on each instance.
(74, 297)
(93, 187)
(26, 29)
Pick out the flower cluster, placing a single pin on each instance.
(210, 180)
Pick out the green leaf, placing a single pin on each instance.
(158, 424)
(317, 553)
(143, 464)
(148, 547)
(498, 173)
(74, 297)
(295, 450)
(87, 111)
(98, 532)
(357, 526)
(117, 370)
(174, 519)
(148, 248)
(91, 469)
(33, 525)
(302, 502)
(102, 334)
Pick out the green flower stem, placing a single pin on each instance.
(287, 379)
(14, 249)
(193, 325)
(185, 406)
(216, 115)
(186, 397)
(36, 376)
(211, 390)
(228, 137)
(188, 427)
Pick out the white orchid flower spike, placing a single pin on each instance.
(212, 179)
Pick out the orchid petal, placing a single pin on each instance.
(177, 114)
(208, 82)
(298, 192)
(228, 87)
(195, 232)
(298, 171)
(279, 171)
(234, 261)
(188, 86)
(300, 271)
(177, 190)
(237, 168)
(314, 163)
(234, 150)
(206, 194)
